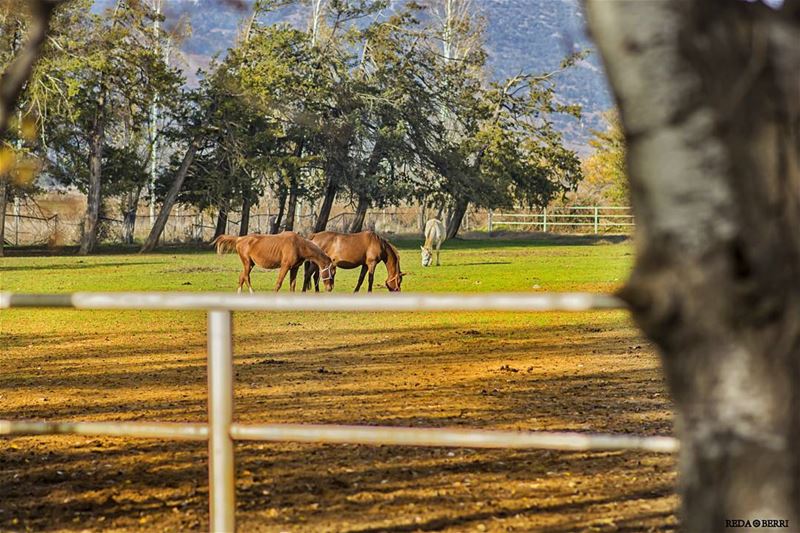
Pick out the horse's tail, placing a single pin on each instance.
(225, 243)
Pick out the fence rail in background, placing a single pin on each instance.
(221, 431)
(596, 217)
(182, 227)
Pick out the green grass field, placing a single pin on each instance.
(532, 371)
(467, 266)
(568, 264)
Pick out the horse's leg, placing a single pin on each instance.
(361, 277)
(307, 273)
(316, 278)
(281, 275)
(371, 269)
(293, 278)
(248, 269)
(245, 272)
(438, 248)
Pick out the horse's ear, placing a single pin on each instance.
(422, 248)
(405, 274)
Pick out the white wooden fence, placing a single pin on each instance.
(221, 430)
(598, 218)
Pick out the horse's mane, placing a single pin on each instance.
(311, 248)
(390, 250)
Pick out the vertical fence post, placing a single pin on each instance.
(489, 222)
(16, 221)
(544, 220)
(221, 487)
(596, 218)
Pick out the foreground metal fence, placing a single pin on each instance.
(221, 431)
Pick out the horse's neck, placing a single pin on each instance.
(429, 240)
(390, 258)
(315, 255)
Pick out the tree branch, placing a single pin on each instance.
(18, 72)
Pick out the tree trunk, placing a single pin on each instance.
(291, 207)
(331, 188)
(373, 163)
(361, 213)
(19, 70)
(222, 222)
(130, 203)
(276, 224)
(454, 224)
(708, 95)
(244, 225)
(3, 206)
(172, 195)
(93, 196)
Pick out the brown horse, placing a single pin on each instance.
(351, 250)
(286, 251)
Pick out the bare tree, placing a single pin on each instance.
(14, 78)
(455, 22)
(709, 94)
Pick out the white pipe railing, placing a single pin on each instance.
(397, 302)
(578, 216)
(221, 431)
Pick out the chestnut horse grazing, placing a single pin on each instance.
(351, 250)
(286, 251)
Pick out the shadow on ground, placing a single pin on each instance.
(574, 378)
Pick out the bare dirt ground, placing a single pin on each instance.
(494, 371)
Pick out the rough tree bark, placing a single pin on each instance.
(172, 195)
(709, 95)
(331, 188)
(373, 164)
(361, 213)
(130, 202)
(275, 224)
(457, 216)
(244, 225)
(97, 142)
(222, 221)
(291, 206)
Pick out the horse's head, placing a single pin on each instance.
(327, 275)
(393, 283)
(427, 256)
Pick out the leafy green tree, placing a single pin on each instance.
(114, 72)
(508, 151)
(501, 147)
(605, 167)
(399, 115)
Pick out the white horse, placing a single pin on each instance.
(434, 236)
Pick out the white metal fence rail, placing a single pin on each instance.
(221, 431)
(597, 218)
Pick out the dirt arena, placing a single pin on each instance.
(549, 371)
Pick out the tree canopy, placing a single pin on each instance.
(362, 106)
